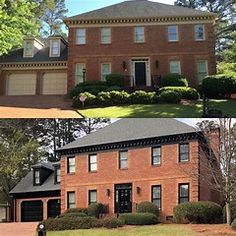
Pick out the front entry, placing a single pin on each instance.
(140, 73)
(123, 198)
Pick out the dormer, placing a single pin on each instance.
(31, 46)
(56, 45)
(40, 173)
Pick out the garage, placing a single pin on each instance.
(21, 84)
(31, 211)
(54, 84)
(54, 208)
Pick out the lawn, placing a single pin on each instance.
(160, 230)
(161, 110)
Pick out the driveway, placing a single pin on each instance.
(18, 229)
(36, 107)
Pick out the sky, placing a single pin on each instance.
(76, 7)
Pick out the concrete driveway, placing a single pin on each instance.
(36, 107)
(18, 229)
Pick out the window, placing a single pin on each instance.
(105, 70)
(173, 35)
(139, 35)
(81, 36)
(106, 35)
(55, 47)
(156, 156)
(184, 152)
(183, 193)
(92, 163)
(92, 196)
(175, 67)
(71, 165)
(80, 73)
(70, 200)
(156, 195)
(202, 70)
(123, 160)
(57, 175)
(199, 33)
(28, 50)
(37, 177)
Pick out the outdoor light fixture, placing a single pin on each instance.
(157, 64)
(124, 65)
(138, 190)
(108, 192)
(84, 74)
(42, 230)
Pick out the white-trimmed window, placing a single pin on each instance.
(28, 48)
(92, 196)
(105, 70)
(92, 163)
(139, 34)
(55, 48)
(199, 32)
(71, 164)
(175, 67)
(81, 36)
(37, 177)
(105, 35)
(202, 70)
(70, 200)
(80, 73)
(173, 33)
(123, 159)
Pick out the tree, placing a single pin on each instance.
(16, 21)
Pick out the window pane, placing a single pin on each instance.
(81, 36)
(36, 177)
(106, 70)
(123, 160)
(156, 156)
(184, 190)
(71, 200)
(93, 159)
(202, 70)
(184, 152)
(93, 167)
(55, 47)
(105, 35)
(175, 67)
(173, 33)
(156, 192)
(28, 48)
(93, 196)
(79, 73)
(199, 32)
(58, 175)
(156, 196)
(139, 34)
(71, 163)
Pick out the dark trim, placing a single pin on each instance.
(179, 185)
(153, 186)
(89, 162)
(119, 161)
(152, 155)
(41, 194)
(184, 143)
(89, 199)
(68, 166)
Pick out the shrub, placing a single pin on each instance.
(174, 80)
(185, 92)
(90, 100)
(170, 97)
(142, 97)
(115, 80)
(95, 209)
(139, 218)
(218, 86)
(73, 214)
(198, 212)
(111, 223)
(104, 98)
(76, 210)
(117, 97)
(114, 88)
(233, 224)
(148, 207)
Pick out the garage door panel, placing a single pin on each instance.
(21, 84)
(55, 84)
(31, 211)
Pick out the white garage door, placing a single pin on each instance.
(2, 213)
(21, 84)
(55, 83)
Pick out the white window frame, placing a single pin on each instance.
(93, 164)
(37, 177)
(103, 75)
(105, 35)
(195, 33)
(81, 38)
(51, 48)
(177, 33)
(32, 48)
(77, 75)
(179, 66)
(70, 204)
(136, 35)
(198, 72)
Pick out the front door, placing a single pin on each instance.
(140, 73)
(123, 198)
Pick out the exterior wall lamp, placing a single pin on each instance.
(108, 192)
(138, 190)
(84, 74)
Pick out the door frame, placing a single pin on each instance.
(147, 62)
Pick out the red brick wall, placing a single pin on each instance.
(156, 47)
(140, 173)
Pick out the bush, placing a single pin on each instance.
(218, 86)
(185, 92)
(142, 97)
(170, 97)
(115, 80)
(139, 218)
(111, 223)
(76, 210)
(174, 80)
(73, 214)
(114, 88)
(95, 209)
(117, 97)
(104, 98)
(198, 212)
(148, 207)
(91, 100)
(233, 224)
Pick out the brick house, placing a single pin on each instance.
(37, 196)
(135, 160)
(141, 40)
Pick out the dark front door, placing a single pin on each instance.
(54, 208)
(140, 74)
(31, 211)
(123, 198)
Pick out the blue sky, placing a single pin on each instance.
(76, 7)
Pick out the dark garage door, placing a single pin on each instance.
(31, 211)
(54, 208)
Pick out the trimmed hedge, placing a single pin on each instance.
(111, 223)
(174, 80)
(219, 86)
(233, 224)
(73, 214)
(170, 96)
(185, 92)
(95, 209)
(76, 210)
(115, 80)
(139, 218)
(142, 97)
(148, 207)
(198, 213)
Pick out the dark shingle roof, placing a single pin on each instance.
(26, 185)
(139, 9)
(132, 129)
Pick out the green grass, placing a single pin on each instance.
(160, 230)
(160, 110)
